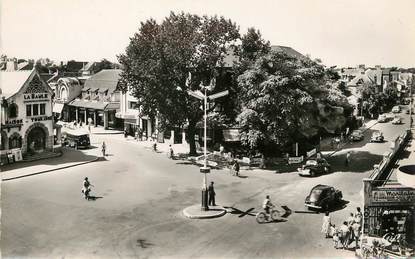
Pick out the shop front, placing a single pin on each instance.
(389, 216)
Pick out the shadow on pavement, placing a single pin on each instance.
(69, 156)
(94, 198)
(360, 161)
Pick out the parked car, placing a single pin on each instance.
(76, 139)
(322, 197)
(396, 109)
(313, 167)
(377, 136)
(382, 118)
(397, 120)
(357, 135)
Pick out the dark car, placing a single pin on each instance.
(357, 135)
(322, 197)
(314, 167)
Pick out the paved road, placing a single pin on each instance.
(140, 196)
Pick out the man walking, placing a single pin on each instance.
(348, 158)
(211, 192)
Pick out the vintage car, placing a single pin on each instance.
(377, 136)
(397, 120)
(357, 135)
(314, 167)
(382, 118)
(396, 109)
(323, 197)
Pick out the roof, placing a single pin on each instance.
(289, 51)
(95, 105)
(107, 79)
(11, 82)
(231, 56)
(362, 77)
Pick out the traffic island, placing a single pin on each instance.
(195, 212)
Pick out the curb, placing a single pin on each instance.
(208, 214)
(51, 170)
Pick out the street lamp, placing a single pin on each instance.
(205, 169)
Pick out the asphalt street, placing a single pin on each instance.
(140, 195)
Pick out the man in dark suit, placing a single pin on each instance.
(211, 192)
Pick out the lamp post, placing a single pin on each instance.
(205, 169)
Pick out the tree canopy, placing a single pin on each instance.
(160, 57)
(284, 99)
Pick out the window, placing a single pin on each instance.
(28, 110)
(35, 109)
(132, 105)
(15, 142)
(12, 110)
(42, 109)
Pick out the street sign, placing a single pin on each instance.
(197, 95)
(311, 152)
(217, 95)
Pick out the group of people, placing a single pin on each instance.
(347, 233)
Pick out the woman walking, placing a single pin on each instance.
(325, 227)
(104, 147)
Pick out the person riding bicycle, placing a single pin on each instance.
(266, 205)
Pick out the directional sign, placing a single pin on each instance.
(217, 95)
(198, 94)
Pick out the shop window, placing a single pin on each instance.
(28, 110)
(42, 109)
(12, 110)
(35, 109)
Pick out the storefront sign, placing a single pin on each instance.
(35, 96)
(394, 195)
(295, 160)
(43, 118)
(13, 122)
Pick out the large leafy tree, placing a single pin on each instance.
(284, 100)
(160, 57)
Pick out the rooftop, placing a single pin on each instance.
(105, 79)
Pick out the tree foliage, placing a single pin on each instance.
(160, 57)
(284, 99)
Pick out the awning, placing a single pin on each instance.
(112, 107)
(57, 107)
(89, 104)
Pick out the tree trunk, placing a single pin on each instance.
(191, 136)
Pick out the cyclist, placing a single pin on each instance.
(266, 205)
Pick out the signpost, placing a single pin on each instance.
(199, 95)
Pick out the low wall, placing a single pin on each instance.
(383, 169)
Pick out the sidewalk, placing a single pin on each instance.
(69, 158)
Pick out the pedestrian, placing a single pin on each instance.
(136, 135)
(212, 194)
(358, 216)
(348, 158)
(351, 219)
(344, 235)
(125, 133)
(236, 167)
(221, 150)
(325, 227)
(231, 171)
(336, 239)
(356, 233)
(104, 147)
(171, 152)
(86, 189)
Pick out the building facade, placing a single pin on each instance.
(96, 102)
(26, 113)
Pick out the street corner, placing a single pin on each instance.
(195, 212)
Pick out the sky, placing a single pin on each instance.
(339, 32)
